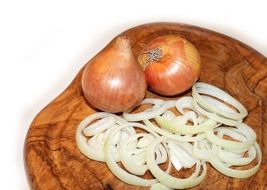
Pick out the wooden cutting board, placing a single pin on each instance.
(53, 161)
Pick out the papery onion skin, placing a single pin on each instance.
(113, 81)
(175, 69)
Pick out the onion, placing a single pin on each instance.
(113, 81)
(171, 64)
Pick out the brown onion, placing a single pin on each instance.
(171, 64)
(113, 81)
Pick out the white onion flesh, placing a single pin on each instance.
(220, 166)
(215, 116)
(205, 151)
(169, 180)
(158, 108)
(134, 163)
(237, 147)
(123, 175)
(169, 135)
(208, 89)
(191, 137)
(184, 103)
(159, 186)
(183, 129)
(181, 154)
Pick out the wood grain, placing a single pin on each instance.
(52, 160)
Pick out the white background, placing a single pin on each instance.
(43, 44)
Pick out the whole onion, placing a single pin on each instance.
(171, 63)
(113, 81)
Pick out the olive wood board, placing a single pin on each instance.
(53, 161)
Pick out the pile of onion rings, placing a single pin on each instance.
(184, 133)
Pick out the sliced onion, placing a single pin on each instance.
(99, 126)
(184, 103)
(159, 186)
(188, 116)
(169, 135)
(138, 156)
(129, 161)
(168, 115)
(109, 138)
(182, 154)
(229, 157)
(201, 118)
(205, 151)
(145, 140)
(93, 147)
(161, 154)
(219, 104)
(178, 128)
(158, 109)
(204, 88)
(169, 180)
(81, 140)
(220, 166)
(216, 117)
(231, 132)
(238, 147)
(175, 161)
(224, 156)
(117, 170)
(170, 104)
(133, 159)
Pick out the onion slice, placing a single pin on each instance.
(81, 140)
(224, 156)
(117, 170)
(205, 151)
(135, 163)
(184, 103)
(159, 186)
(169, 180)
(238, 147)
(159, 108)
(179, 151)
(220, 166)
(99, 126)
(216, 117)
(179, 128)
(204, 88)
(173, 136)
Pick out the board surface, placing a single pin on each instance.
(53, 161)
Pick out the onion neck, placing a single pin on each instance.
(122, 44)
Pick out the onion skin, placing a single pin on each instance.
(113, 81)
(175, 69)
